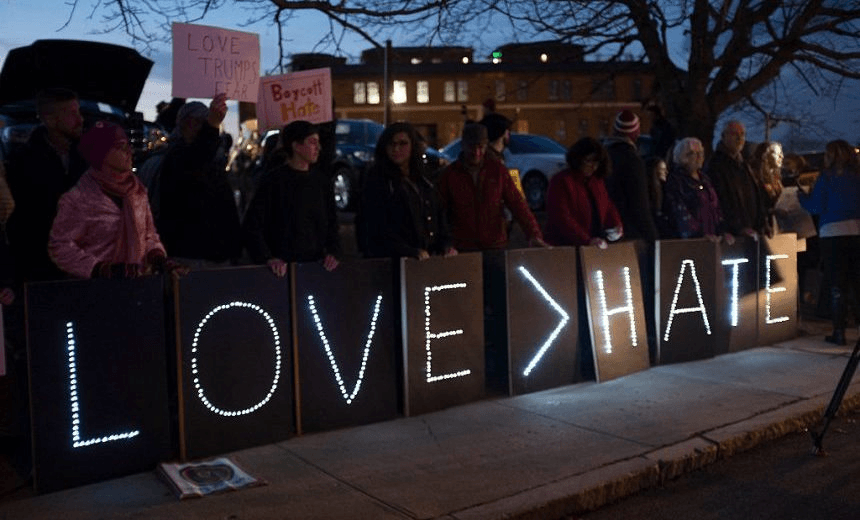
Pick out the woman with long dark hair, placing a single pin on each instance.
(578, 208)
(835, 198)
(401, 212)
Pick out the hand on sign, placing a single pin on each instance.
(217, 110)
(330, 263)
(599, 242)
(278, 267)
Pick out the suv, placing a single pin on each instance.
(355, 143)
(534, 159)
(90, 69)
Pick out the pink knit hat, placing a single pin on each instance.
(627, 123)
(98, 140)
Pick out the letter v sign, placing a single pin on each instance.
(564, 319)
(348, 397)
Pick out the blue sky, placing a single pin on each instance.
(24, 21)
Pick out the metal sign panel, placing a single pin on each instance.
(443, 332)
(98, 380)
(777, 295)
(616, 312)
(346, 344)
(236, 371)
(542, 318)
(688, 326)
(739, 304)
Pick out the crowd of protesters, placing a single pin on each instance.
(73, 208)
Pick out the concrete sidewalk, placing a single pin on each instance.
(540, 455)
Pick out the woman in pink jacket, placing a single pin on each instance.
(104, 226)
(578, 209)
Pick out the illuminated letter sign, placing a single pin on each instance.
(700, 308)
(347, 396)
(443, 331)
(75, 405)
(235, 378)
(430, 336)
(605, 312)
(735, 285)
(554, 334)
(769, 291)
(195, 370)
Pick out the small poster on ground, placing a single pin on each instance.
(198, 479)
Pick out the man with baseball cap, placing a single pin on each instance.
(475, 189)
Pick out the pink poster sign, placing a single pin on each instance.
(290, 97)
(210, 60)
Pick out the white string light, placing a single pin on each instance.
(605, 312)
(195, 368)
(348, 397)
(564, 319)
(700, 308)
(430, 336)
(769, 291)
(75, 403)
(733, 304)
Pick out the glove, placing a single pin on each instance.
(116, 270)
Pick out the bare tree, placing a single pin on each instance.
(707, 56)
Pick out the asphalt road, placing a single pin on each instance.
(779, 480)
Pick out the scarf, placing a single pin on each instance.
(131, 242)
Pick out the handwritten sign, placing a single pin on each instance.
(209, 61)
(289, 97)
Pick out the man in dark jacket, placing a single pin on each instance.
(737, 188)
(45, 168)
(628, 183)
(198, 219)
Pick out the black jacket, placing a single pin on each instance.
(37, 179)
(741, 197)
(292, 217)
(627, 185)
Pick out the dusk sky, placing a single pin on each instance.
(26, 21)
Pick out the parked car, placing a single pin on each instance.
(90, 69)
(534, 159)
(355, 142)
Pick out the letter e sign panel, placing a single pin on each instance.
(616, 311)
(346, 341)
(542, 318)
(777, 295)
(235, 378)
(443, 331)
(98, 380)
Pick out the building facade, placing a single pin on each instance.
(544, 87)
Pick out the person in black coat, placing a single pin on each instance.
(292, 217)
(401, 210)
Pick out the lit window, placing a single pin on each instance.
(450, 93)
(566, 90)
(522, 90)
(373, 93)
(398, 93)
(422, 92)
(553, 90)
(359, 93)
(462, 90)
(501, 90)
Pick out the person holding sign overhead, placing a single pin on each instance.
(292, 217)
(198, 219)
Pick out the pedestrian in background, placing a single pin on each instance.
(401, 208)
(292, 217)
(579, 210)
(835, 198)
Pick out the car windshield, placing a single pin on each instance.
(353, 132)
(530, 143)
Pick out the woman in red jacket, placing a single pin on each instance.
(579, 210)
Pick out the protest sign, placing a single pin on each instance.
(289, 97)
(209, 61)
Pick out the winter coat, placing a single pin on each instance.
(569, 211)
(627, 186)
(740, 195)
(691, 206)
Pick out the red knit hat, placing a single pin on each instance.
(627, 123)
(98, 140)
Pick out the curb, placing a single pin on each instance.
(589, 491)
